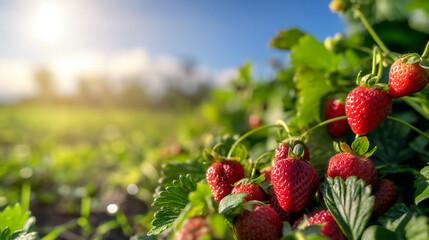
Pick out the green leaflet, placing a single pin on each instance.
(350, 203)
(312, 86)
(172, 201)
(286, 39)
(377, 232)
(15, 223)
(422, 185)
(312, 53)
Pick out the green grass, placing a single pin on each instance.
(72, 152)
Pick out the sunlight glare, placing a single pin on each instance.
(49, 22)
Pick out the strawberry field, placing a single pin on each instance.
(334, 146)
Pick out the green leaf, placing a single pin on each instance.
(422, 185)
(172, 201)
(312, 86)
(360, 145)
(286, 39)
(397, 217)
(142, 237)
(418, 4)
(298, 150)
(14, 218)
(424, 63)
(287, 229)
(350, 203)
(378, 232)
(417, 228)
(259, 179)
(231, 202)
(313, 54)
(172, 171)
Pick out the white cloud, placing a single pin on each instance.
(153, 72)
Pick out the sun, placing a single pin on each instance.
(49, 21)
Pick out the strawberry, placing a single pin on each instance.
(385, 196)
(366, 108)
(254, 190)
(260, 223)
(406, 79)
(267, 173)
(335, 108)
(254, 121)
(222, 175)
(323, 216)
(295, 182)
(353, 161)
(346, 164)
(282, 150)
(193, 228)
(283, 215)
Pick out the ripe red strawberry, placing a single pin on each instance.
(193, 228)
(346, 164)
(283, 150)
(385, 196)
(267, 172)
(406, 79)
(323, 216)
(283, 215)
(295, 182)
(254, 190)
(222, 175)
(335, 108)
(366, 108)
(262, 223)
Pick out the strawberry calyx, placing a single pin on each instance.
(358, 148)
(247, 181)
(297, 151)
(248, 206)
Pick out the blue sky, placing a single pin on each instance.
(215, 34)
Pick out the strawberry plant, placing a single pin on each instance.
(261, 183)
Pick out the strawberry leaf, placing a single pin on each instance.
(398, 216)
(350, 203)
(424, 63)
(172, 201)
(313, 54)
(422, 185)
(417, 228)
(231, 202)
(286, 39)
(259, 179)
(378, 232)
(360, 145)
(312, 86)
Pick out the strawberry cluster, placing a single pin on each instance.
(287, 189)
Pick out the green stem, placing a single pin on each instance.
(410, 126)
(426, 52)
(246, 135)
(257, 162)
(322, 124)
(284, 125)
(374, 61)
(380, 64)
(371, 31)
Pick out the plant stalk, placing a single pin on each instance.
(410, 126)
(371, 31)
(322, 124)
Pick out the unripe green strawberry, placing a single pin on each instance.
(261, 223)
(335, 108)
(254, 190)
(366, 108)
(346, 164)
(222, 175)
(295, 182)
(193, 228)
(406, 79)
(385, 196)
(323, 216)
(282, 151)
